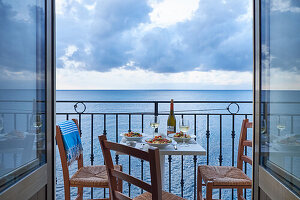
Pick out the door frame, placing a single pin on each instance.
(263, 181)
(42, 178)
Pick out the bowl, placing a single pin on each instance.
(134, 138)
(179, 140)
(131, 143)
(160, 146)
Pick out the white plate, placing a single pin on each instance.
(160, 146)
(177, 139)
(134, 138)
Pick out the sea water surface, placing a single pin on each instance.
(123, 126)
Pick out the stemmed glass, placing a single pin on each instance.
(184, 126)
(1, 124)
(154, 123)
(263, 126)
(36, 121)
(281, 124)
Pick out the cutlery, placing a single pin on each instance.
(175, 146)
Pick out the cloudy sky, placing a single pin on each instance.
(150, 44)
(154, 44)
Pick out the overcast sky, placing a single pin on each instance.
(154, 44)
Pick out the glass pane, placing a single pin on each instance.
(22, 88)
(280, 85)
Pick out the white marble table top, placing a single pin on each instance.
(193, 148)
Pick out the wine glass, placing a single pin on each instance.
(184, 126)
(263, 126)
(36, 120)
(281, 124)
(154, 123)
(1, 124)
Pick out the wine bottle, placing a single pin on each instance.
(171, 129)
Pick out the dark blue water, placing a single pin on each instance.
(136, 125)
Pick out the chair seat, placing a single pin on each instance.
(91, 176)
(224, 175)
(165, 196)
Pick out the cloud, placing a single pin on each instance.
(136, 78)
(169, 12)
(17, 33)
(281, 79)
(281, 47)
(206, 35)
(285, 6)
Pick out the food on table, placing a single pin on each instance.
(182, 135)
(291, 140)
(133, 134)
(158, 140)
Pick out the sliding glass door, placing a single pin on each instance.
(24, 98)
(279, 95)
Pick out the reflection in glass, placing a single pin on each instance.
(281, 124)
(22, 89)
(1, 124)
(37, 120)
(280, 93)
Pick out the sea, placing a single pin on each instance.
(116, 124)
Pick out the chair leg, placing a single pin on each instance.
(209, 188)
(240, 193)
(67, 193)
(199, 185)
(80, 193)
(120, 185)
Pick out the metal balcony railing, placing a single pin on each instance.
(215, 123)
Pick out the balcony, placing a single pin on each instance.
(216, 125)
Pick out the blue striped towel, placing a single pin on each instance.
(71, 140)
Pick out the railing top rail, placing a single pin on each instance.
(72, 101)
(144, 113)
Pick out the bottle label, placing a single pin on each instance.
(170, 129)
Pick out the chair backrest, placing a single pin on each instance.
(152, 156)
(63, 155)
(243, 142)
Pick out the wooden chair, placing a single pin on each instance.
(88, 176)
(154, 190)
(225, 176)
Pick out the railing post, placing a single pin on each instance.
(104, 133)
(195, 158)
(117, 137)
(170, 177)
(92, 148)
(220, 156)
(232, 136)
(292, 124)
(142, 161)
(104, 125)
(129, 123)
(80, 124)
(129, 172)
(246, 153)
(182, 181)
(142, 173)
(156, 113)
(195, 176)
(129, 157)
(207, 139)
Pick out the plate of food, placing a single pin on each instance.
(289, 143)
(159, 142)
(133, 136)
(183, 137)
